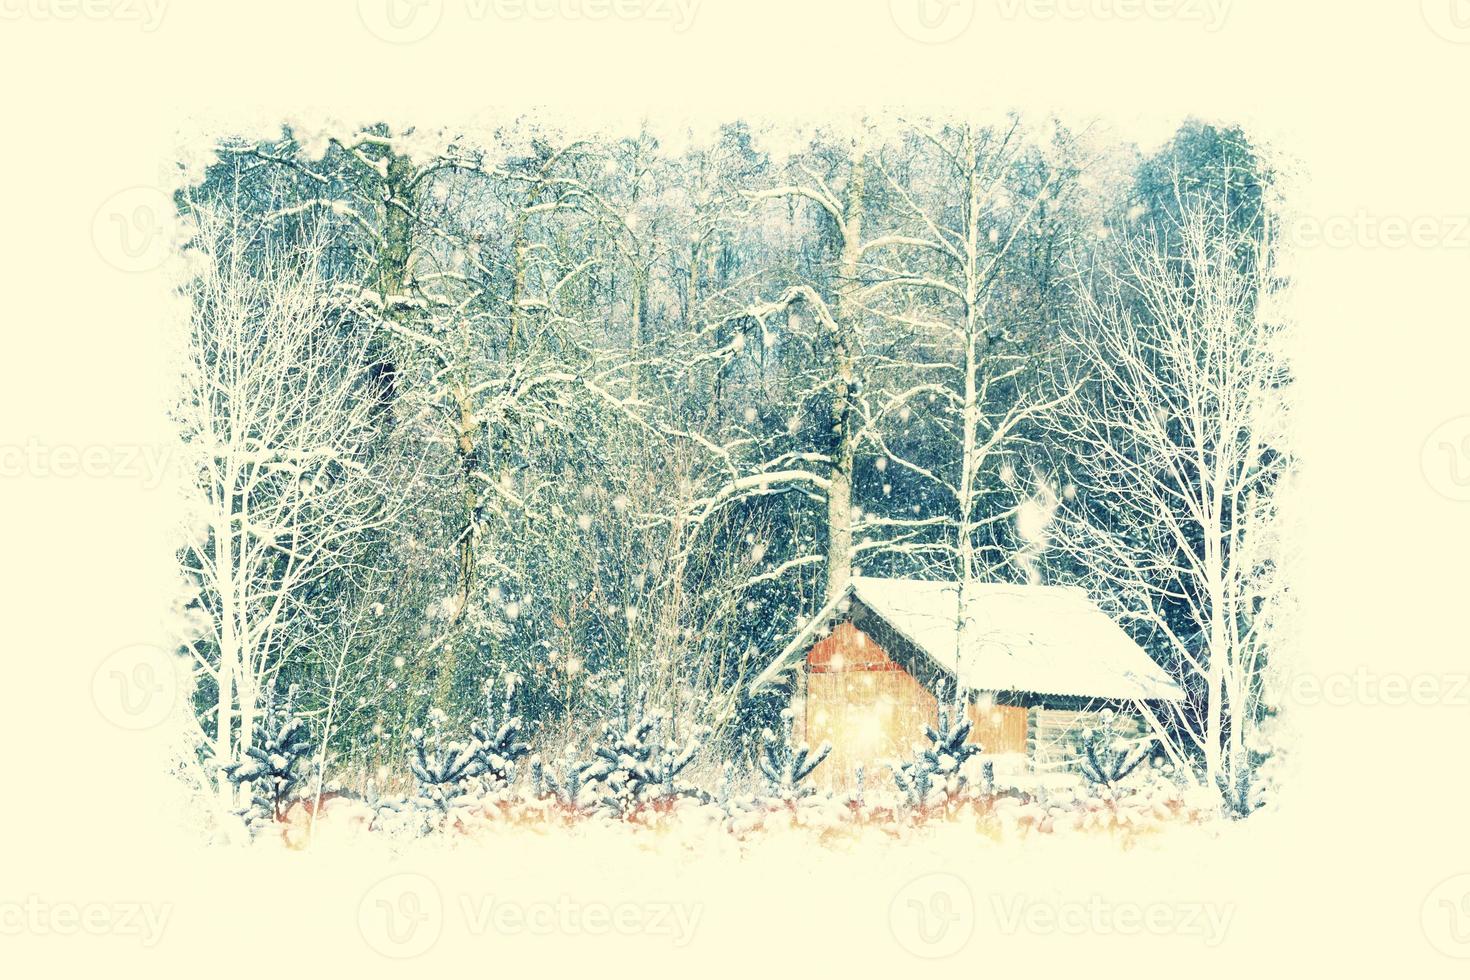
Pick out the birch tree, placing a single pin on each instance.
(276, 418)
(1175, 439)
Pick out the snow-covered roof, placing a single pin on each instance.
(1031, 638)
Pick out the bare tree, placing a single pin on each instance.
(276, 419)
(840, 322)
(1177, 457)
(944, 277)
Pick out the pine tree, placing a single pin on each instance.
(936, 774)
(786, 765)
(573, 789)
(1104, 757)
(274, 767)
(496, 745)
(636, 766)
(442, 769)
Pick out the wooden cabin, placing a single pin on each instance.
(1036, 664)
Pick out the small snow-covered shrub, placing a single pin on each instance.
(935, 778)
(497, 745)
(571, 789)
(444, 770)
(638, 768)
(1104, 756)
(274, 766)
(786, 765)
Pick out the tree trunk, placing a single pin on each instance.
(229, 650)
(844, 449)
(970, 419)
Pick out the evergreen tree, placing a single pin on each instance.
(637, 767)
(496, 744)
(786, 765)
(443, 770)
(573, 789)
(274, 767)
(935, 775)
(1104, 757)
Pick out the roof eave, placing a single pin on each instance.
(798, 644)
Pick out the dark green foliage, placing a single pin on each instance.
(497, 745)
(573, 788)
(274, 766)
(1104, 757)
(935, 776)
(637, 767)
(785, 765)
(443, 769)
